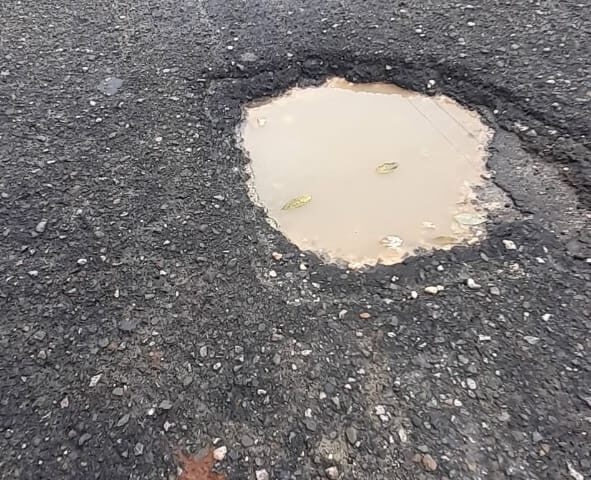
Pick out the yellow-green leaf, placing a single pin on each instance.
(443, 240)
(386, 168)
(297, 202)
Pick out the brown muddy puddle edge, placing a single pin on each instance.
(367, 173)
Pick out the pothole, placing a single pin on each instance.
(368, 173)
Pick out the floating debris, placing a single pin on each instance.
(469, 219)
(392, 241)
(297, 202)
(386, 168)
(444, 240)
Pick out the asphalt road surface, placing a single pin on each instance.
(137, 314)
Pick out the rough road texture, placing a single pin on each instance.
(137, 316)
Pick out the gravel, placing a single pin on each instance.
(145, 183)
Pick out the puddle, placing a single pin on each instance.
(367, 173)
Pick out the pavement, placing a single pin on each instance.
(138, 318)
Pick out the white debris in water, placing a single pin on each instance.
(392, 241)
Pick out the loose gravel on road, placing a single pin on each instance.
(139, 317)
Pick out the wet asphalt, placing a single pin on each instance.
(138, 316)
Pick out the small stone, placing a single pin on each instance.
(472, 284)
(429, 463)
(509, 245)
(310, 424)
(531, 340)
(246, 441)
(65, 403)
(39, 335)
(471, 384)
(332, 473)
(109, 86)
(127, 325)
(351, 434)
(123, 420)
(94, 380)
(118, 392)
(203, 352)
(103, 342)
(272, 274)
(573, 472)
(220, 453)
(432, 290)
(380, 410)
(495, 291)
(33, 273)
(402, 435)
(504, 416)
(277, 256)
(261, 475)
(364, 315)
(165, 405)
(84, 438)
(40, 228)
(414, 295)
(138, 449)
(82, 261)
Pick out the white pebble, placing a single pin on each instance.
(220, 453)
(509, 244)
(332, 473)
(262, 475)
(380, 410)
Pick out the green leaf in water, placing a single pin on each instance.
(469, 219)
(386, 168)
(297, 202)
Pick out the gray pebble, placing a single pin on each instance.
(123, 420)
(127, 325)
(138, 449)
(351, 434)
(310, 424)
(84, 438)
(40, 228)
(109, 86)
(246, 441)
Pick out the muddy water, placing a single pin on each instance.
(366, 174)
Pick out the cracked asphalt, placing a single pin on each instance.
(137, 314)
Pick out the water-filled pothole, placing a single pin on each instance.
(369, 173)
